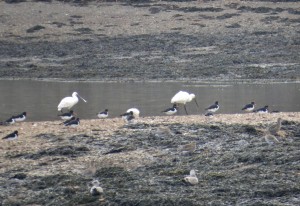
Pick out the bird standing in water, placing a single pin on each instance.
(183, 97)
(69, 102)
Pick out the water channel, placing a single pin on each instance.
(40, 98)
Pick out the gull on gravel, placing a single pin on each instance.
(192, 178)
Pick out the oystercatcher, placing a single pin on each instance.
(103, 115)
(171, 111)
(11, 136)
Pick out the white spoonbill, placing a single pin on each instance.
(69, 102)
(182, 98)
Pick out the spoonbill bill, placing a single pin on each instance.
(249, 107)
(103, 114)
(213, 108)
(171, 111)
(67, 115)
(20, 117)
(11, 136)
(183, 97)
(192, 178)
(69, 102)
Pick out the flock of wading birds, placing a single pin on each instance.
(181, 98)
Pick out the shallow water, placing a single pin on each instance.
(40, 98)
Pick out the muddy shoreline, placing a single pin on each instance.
(143, 163)
(150, 41)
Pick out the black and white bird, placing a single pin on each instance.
(135, 111)
(11, 136)
(96, 189)
(67, 115)
(128, 116)
(103, 115)
(124, 115)
(73, 123)
(249, 107)
(183, 97)
(20, 117)
(262, 110)
(67, 121)
(171, 111)
(213, 108)
(8, 121)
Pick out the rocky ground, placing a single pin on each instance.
(150, 40)
(143, 163)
